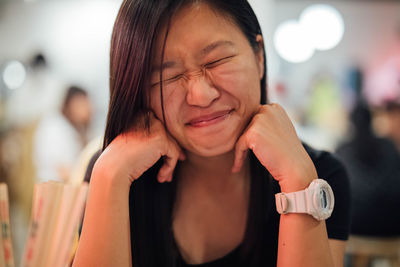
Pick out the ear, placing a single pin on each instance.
(260, 55)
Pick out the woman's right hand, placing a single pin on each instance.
(132, 153)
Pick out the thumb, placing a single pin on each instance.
(241, 150)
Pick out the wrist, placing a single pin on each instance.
(109, 177)
(296, 183)
(299, 175)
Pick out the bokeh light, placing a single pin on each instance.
(290, 42)
(14, 74)
(320, 27)
(323, 24)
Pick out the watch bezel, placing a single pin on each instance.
(316, 187)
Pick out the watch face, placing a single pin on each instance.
(323, 198)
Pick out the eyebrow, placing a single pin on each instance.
(215, 45)
(206, 50)
(165, 65)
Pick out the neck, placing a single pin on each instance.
(212, 173)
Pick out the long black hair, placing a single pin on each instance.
(136, 29)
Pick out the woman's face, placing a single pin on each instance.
(211, 81)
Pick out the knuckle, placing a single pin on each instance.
(277, 106)
(264, 108)
(258, 116)
(253, 134)
(274, 105)
(157, 138)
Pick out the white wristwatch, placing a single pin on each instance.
(317, 200)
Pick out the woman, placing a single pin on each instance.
(188, 86)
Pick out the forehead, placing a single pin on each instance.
(196, 25)
(202, 14)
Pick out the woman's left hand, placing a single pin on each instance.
(273, 139)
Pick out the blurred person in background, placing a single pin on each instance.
(382, 91)
(60, 137)
(40, 89)
(392, 114)
(373, 164)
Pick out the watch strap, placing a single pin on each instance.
(293, 202)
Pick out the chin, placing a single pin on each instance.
(213, 148)
(213, 141)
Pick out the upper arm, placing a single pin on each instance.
(337, 248)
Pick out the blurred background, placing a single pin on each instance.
(334, 65)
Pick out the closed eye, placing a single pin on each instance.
(177, 77)
(217, 62)
(172, 79)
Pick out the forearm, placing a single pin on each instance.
(105, 238)
(303, 241)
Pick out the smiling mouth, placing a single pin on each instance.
(209, 119)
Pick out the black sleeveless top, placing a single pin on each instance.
(151, 223)
(269, 244)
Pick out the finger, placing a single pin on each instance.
(167, 169)
(182, 155)
(170, 160)
(241, 149)
(239, 161)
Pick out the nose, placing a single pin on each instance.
(200, 89)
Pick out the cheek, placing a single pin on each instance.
(171, 101)
(242, 82)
